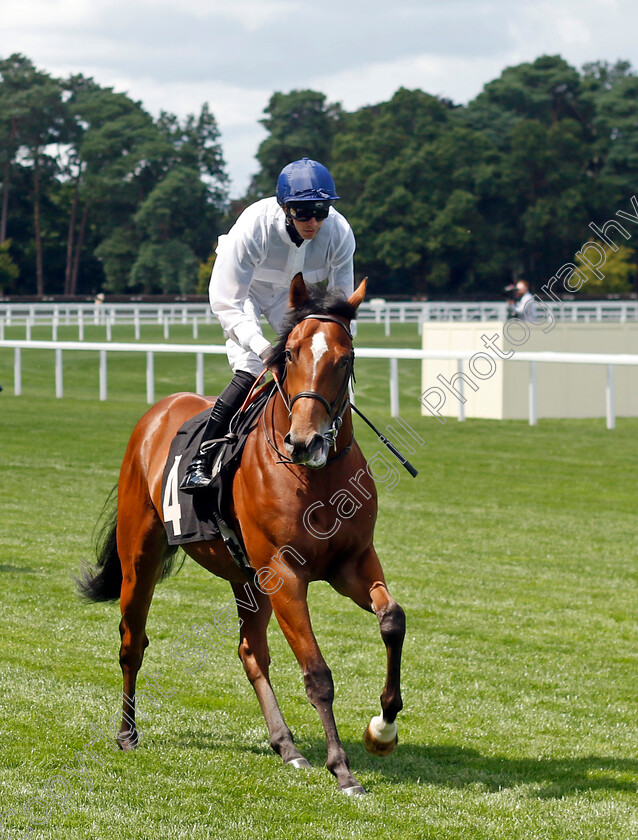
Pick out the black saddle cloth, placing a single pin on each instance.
(191, 518)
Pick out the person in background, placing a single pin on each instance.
(523, 305)
(297, 230)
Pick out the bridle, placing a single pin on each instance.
(335, 410)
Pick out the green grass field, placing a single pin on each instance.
(513, 554)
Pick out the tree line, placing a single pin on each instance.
(445, 200)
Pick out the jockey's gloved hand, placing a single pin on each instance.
(265, 353)
(260, 346)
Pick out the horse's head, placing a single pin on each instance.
(317, 355)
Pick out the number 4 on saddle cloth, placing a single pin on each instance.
(204, 515)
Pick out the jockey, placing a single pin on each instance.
(298, 230)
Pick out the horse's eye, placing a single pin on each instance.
(344, 362)
(287, 355)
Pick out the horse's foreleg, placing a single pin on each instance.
(291, 609)
(363, 581)
(255, 656)
(141, 545)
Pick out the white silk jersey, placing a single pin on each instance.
(256, 262)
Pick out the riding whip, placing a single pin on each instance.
(413, 472)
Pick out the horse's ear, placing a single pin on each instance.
(356, 298)
(298, 292)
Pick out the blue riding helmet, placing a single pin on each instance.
(305, 180)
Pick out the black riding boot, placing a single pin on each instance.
(198, 473)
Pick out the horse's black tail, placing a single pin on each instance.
(104, 581)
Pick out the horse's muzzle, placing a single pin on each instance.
(311, 453)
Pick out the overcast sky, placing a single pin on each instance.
(233, 54)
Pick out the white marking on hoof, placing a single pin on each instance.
(380, 737)
(383, 731)
(355, 790)
(299, 763)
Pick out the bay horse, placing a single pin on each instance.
(284, 495)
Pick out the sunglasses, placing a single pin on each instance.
(310, 209)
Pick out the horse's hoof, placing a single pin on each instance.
(127, 742)
(299, 763)
(127, 746)
(380, 738)
(354, 790)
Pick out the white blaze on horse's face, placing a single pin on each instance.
(307, 441)
(319, 347)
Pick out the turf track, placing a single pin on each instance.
(513, 553)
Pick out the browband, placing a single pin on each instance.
(319, 317)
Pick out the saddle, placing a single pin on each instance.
(204, 515)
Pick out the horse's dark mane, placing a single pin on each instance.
(320, 301)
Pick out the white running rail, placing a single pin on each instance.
(610, 360)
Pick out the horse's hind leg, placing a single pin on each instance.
(363, 581)
(141, 544)
(255, 656)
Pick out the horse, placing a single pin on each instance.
(299, 464)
